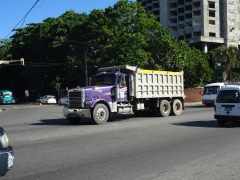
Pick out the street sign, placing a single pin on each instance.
(26, 93)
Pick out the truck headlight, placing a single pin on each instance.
(88, 103)
(3, 139)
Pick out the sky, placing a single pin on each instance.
(13, 11)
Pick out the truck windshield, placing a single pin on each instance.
(211, 90)
(103, 80)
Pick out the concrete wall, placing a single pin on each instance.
(193, 94)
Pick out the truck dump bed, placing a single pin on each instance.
(153, 83)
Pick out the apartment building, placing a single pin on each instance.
(204, 24)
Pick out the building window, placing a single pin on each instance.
(156, 13)
(181, 26)
(197, 13)
(173, 5)
(189, 16)
(197, 22)
(188, 24)
(173, 21)
(211, 5)
(197, 34)
(180, 38)
(174, 28)
(180, 10)
(180, 2)
(173, 13)
(181, 18)
(212, 22)
(212, 13)
(196, 4)
(149, 8)
(156, 5)
(188, 7)
(188, 36)
(212, 34)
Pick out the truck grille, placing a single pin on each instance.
(75, 99)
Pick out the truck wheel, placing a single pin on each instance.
(176, 107)
(74, 120)
(165, 108)
(100, 114)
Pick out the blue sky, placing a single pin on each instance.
(13, 11)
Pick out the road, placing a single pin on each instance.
(189, 146)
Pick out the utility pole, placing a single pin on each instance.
(86, 72)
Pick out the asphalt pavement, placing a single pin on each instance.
(186, 104)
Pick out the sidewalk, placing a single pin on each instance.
(193, 104)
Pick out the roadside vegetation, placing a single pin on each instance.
(56, 50)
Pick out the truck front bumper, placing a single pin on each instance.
(77, 113)
(6, 160)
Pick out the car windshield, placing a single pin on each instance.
(103, 80)
(211, 90)
(228, 96)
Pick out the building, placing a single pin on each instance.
(204, 24)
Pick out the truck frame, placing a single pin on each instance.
(126, 90)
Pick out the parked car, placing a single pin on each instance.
(63, 100)
(48, 99)
(7, 97)
(39, 99)
(227, 104)
(6, 153)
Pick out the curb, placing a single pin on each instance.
(193, 104)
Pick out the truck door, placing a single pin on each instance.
(121, 82)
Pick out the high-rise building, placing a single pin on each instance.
(204, 24)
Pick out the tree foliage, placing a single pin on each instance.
(56, 50)
(225, 59)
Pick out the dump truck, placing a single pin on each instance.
(126, 90)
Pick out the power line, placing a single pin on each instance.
(24, 18)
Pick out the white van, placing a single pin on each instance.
(210, 93)
(227, 105)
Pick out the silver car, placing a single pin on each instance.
(6, 153)
(63, 100)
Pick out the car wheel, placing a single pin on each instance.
(221, 122)
(74, 120)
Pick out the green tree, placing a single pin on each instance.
(224, 60)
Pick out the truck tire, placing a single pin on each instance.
(100, 114)
(176, 107)
(74, 120)
(165, 108)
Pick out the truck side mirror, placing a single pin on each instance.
(115, 91)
